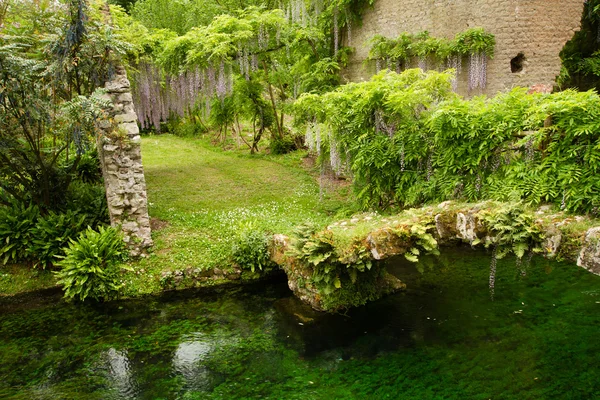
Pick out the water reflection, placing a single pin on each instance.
(187, 361)
(119, 372)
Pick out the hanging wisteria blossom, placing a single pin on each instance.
(318, 138)
(492, 280)
(309, 137)
(334, 155)
(349, 27)
(158, 95)
(317, 7)
(336, 31)
(221, 87)
(402, 158)
(477, 71)
(455, 62)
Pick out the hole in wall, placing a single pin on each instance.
(517, 63)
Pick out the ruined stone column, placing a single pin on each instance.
(121, 159)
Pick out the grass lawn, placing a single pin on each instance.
(15, 278)
(202, 197)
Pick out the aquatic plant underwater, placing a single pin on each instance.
(442, 338)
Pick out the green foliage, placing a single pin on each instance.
(222, 114)
(27, 235)
(380, 126)
(282, 145)
(51, 234)
(475, 41)
(272, 58)
(317, 250)
(399, 51)
(423, 242)
(511, 229)
(91, 266)
(251, 249)
(87, 168)
(408, 140)
(183, 15)
(17, 223)
(581, 55)
(396, 50)
(89, 200)
(52, 60)
(340, 265)
(186, 127)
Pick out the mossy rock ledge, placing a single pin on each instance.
(368, 286)
(338, 266)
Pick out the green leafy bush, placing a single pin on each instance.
(16, 226)
(91, 265)
(89, 200)
(407, 139)
(88, 168)
(189, 127)
(282, 145)
(52, 234)
(251, 250)
(388, 52)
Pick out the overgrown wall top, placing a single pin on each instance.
(537, 28)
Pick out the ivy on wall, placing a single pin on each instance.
(407, 139)
(428, 52)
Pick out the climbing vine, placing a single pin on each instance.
(244, 65)
(407, 139)
(510, 229)
(428, 52)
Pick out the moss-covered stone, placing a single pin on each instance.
(589, 257)
(365, 240)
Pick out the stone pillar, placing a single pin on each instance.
(121, 159)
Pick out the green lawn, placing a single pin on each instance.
(202, 197)
(191, 176)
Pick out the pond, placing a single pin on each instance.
(443, 337)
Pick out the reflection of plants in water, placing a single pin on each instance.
(232, 357)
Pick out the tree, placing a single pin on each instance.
(49, 100)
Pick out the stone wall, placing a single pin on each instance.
(121, 159)
(538, 29)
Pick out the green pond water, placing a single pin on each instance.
(444, 338)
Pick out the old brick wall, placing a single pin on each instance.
(537, 28)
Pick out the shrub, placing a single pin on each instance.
(16, 223)
(283, 145)
(407, 139)
(52, 234)
(251, 250)
(187, 127)
(90, 267)
(89, 200)
(88, 169)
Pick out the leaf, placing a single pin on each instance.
(519, 249)
(353, 275)
(337, 283)
(411, 257)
